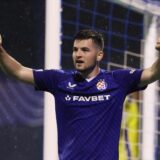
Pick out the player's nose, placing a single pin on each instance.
(78, 54)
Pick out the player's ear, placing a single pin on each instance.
(100, 56)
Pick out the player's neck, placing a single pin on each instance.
(91, 73)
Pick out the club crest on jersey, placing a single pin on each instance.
(101, 85)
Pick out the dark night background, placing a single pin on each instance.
(22, 27)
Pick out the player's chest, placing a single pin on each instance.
(96, 92)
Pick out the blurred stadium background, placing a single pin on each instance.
(130, 28)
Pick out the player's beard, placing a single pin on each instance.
(86, 70)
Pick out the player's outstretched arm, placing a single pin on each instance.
(152, 74)
(13, 68)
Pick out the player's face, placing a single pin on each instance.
(86, 55)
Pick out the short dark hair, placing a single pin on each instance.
(91, 34)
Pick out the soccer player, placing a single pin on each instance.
(88, 100)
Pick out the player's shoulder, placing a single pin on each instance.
(120, 73)
(106, 72)
(62, 73)
(126, 71)
(54, 73)
(127, 74)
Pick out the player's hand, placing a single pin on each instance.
(0, 39)
(158, 44)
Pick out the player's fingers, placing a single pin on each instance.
(158, 44)
(0, 39)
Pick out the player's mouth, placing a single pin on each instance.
(79, 62)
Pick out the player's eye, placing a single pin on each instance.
(75, 49)
(85, 49)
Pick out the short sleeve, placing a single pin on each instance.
(47, 80)
(128, 79)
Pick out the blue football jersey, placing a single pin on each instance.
(88, 113)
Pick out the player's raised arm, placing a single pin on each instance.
(13, 68)
(152, 73)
